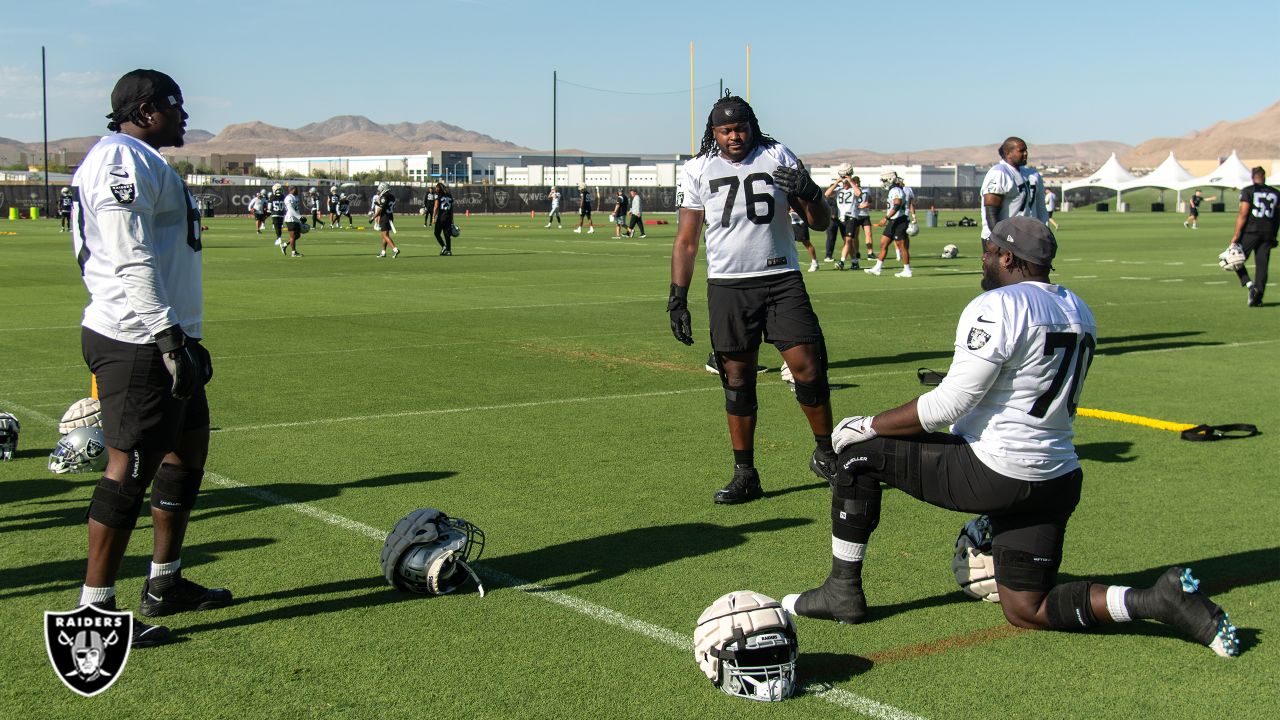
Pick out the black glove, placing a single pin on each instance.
(678, 307)
(205, 362)
(180, 360)
(795, 182)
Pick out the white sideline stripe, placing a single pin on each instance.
(1172, 280)
(822, 691)
(29, 413)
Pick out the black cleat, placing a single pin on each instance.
(144, 634)
(1177, 601)
(713, 364)
(839, 598)
(744, 487)
(172, 593)
(824, 465)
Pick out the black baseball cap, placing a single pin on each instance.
(139, 86)
(1026, 238)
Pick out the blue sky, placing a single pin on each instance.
(882, 76)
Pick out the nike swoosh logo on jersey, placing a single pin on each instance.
(118, 173)
(982, 319)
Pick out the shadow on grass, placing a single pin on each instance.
(220, 501)
(891, 359)
(1105, 344)
(25, 491)
(68, 575)
(1106, 452)
(831, 668)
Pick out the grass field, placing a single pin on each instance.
(530, 384)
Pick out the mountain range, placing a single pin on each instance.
(1257, 136)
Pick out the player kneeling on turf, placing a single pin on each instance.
(1023, 349)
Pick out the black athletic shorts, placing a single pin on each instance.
(277, 222)
(1195, 211)
(384, 223)
(585, 210)
(801, 233)
(294, 227)
(775, 307)
(858, 221)
(260, 217)
(1028, 519)
(133, 386)
(897, 229)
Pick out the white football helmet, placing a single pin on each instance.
(383, 187)
(913, 228)
(844, 170)
(9, 429)
(746, 645)
(66, 191)
(81, 450)
(427, 552)
(950, 252)
(313, 191)
(277, 188)
(888, 179)
(972, 564)
(1232, 259)
(85, 412)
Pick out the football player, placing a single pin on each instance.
(314, 202)
(64, 210)
(1256, 232)
(293, 220)
(897, 217)
(258, 208)
(584, 210)
(1193, 205)
(384, 208)
(1023, 349)
(846, 207)
(333, 207)
(740, 187)
(442, 211)
(554, 213)
(1010, 188)
(635, 215)
(137, 239)
(1050, 204)
(344, 210)
(801, 233)
(619, 213)
(275, 208)
(861, 217)
(428, 206)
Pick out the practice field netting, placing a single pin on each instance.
(530, 384)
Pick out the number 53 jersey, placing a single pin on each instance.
(1042, 339)
(748, 229)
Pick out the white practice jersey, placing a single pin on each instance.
(1022, 190)
(861, 197)
(748, 232)
(555, 200)
(292, 209)
(1050, 201)
(136, 235)
(846, 201)
(909, 196)
(896, 193)
(1042, 337)
(257, 206)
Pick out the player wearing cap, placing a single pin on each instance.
(1256, 226)
(739, 187)
(996, 437)
(1011, 189)
(136, 233)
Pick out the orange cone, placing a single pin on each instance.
(531, 217)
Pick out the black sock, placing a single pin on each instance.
(744, 458)
(824, 443)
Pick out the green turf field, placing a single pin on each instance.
(530, 384)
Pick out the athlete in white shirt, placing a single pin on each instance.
(847, 200)
(1023, 349)
(293, 219)
(1050, 204)
(554, 213)
(897, 216)
(1011, 189)
(739, 187)
(136, 233)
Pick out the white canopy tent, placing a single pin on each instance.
(1170, 175)
(1111, 175)
(1232, 173)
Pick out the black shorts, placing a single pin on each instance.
(585, 211)
(277, 222)
(133, 386)
(383, 223)
(801, 232)
(858, 221)
(775, 307)
(897, 229)
(1050, 212)
(260, 217)
(1028, 519)
(1195, 212)
(294, 227)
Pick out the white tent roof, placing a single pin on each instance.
(1170, 175)
(1110, 175)
(1232, 173)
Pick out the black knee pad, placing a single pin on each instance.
(1069, 608)
(814, 393)
(175, 488)
(1024, 571)
(116, 504)
(740, 401)
(855, 505)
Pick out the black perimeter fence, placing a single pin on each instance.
(491, 199)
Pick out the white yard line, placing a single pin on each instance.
(679, 641)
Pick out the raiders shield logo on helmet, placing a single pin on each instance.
(978, 338)
(88, 646)
(124, 193)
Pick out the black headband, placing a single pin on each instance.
(730, 113)
(139, 86)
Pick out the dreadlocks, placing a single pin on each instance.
(709, 146)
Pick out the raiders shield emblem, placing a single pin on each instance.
(124, 193)
(500, 199)
(978, 338)
(88, 646)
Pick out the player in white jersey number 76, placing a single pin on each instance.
(739, 187)
(1023, 349)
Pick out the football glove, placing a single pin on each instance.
(181, 360)
(796, 182)
(852, 430)
(678, 308)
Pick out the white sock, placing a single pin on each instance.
(878, 264)
(848, 551)
(158, 569)
(1115, 603)
(907, 267)
(95, 595)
